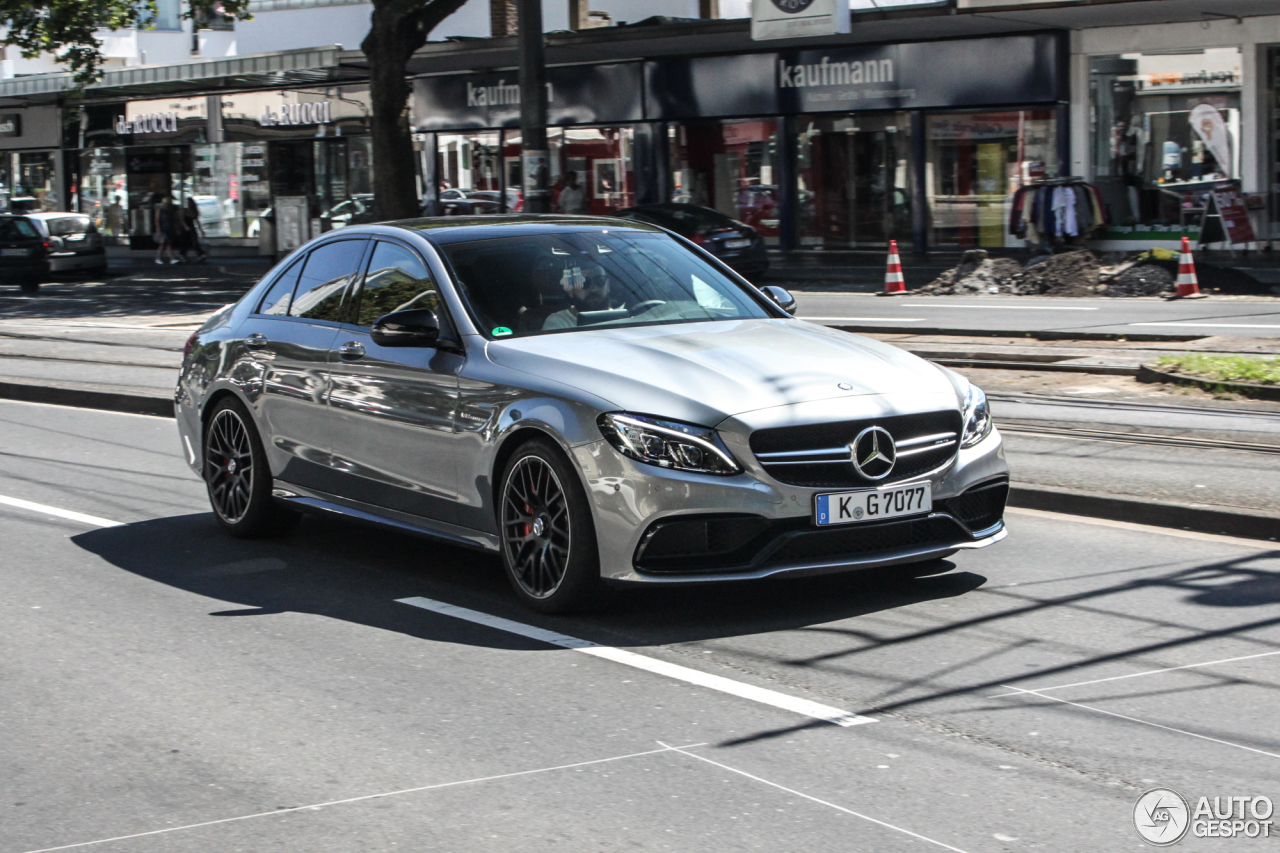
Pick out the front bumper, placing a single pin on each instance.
(659, 526)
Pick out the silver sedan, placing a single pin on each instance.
(600, 402)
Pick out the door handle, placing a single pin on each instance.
(256, 341)
(351, 350)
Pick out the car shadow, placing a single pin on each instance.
(356, 573)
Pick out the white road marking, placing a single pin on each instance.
(1019, 691)
(997, 307)
(1148, 672)
(659, 667)
(4, 402)
(812, 799)
(317, 806)
(45, 509)
(868, 319)
(1214, 325)
(1261, 544)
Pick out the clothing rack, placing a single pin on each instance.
(1052, 211)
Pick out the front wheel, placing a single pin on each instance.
(237, 476)
(548, 538)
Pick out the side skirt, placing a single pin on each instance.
(309, 500)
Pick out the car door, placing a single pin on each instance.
(286, 344)
(393, 408)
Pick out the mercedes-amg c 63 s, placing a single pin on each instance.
(598, 401)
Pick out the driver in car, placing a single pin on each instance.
(591, 295)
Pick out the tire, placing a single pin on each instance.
(237, 476)
(30, 286)
(547, 534)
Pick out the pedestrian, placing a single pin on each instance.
(193, 232)
(115, 218)
(573, 198)
(165, 228)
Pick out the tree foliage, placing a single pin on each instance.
(69, 29)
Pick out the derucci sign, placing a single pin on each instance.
(148, 123)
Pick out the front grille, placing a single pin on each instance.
(709, 542)
(979, 507)
(861, 540)
(817, 455)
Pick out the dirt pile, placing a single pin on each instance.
(1140, 280)
(977, 273)
(1068, 274)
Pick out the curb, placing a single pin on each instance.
(111, 401)
(1049, 366)
(1013, 333)
(1240, 523)
(1147, 373)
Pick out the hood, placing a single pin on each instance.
(705, 372)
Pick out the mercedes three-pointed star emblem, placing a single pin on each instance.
(873, 453)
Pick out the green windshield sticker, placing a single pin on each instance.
(500, 331)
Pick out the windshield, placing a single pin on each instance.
(69, 225)
(532, 285)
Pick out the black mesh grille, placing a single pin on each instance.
(706, 542)
(980, 507)
(861, 540)
(832, 435)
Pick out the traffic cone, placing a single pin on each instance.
(893, 282)
(1188, 287)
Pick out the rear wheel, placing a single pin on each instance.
(548, 537)
(237, 476)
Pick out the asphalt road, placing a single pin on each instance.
(1235, 317)
(169, 689)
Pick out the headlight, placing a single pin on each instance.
(977, 417)
(668, 444)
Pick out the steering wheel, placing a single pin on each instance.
(641, 307)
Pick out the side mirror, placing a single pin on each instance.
(417, 327)
(782, 296)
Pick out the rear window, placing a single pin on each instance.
(65, 225)
(17, 229)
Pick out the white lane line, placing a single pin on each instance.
(812, 799)
(658, 667)
(1213, 325)
(868, 319)
(45, 509)
(318, 806)
(4, 402)
(997, 307)
(1019, 691)
(1260, 544)
(1148, 672)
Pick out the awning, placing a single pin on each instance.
(283, 69)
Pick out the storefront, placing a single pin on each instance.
(232, 155)
(1166, 131)
(829, 148)
(29, 174)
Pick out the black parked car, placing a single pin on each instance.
(33, 245)
(736, 243)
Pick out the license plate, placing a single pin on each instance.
(872, 504)
(14, 253)
(736, 244)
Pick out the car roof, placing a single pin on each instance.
(48, 214)
(454, 229)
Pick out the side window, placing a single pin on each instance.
(277, 300)
(324, 279)
(397, 280)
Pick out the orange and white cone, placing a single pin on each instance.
(893, 281)
(1188, 287)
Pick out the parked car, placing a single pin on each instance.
(33, 245)
(356, 210)
(489, 201)
(596, 401)
(736, 243)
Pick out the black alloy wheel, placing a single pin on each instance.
(548, 540)
(237, 476)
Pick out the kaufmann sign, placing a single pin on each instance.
(785, 19)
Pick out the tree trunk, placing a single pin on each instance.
(394, 187)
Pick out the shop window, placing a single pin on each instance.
(976, 162)
(468, 174)
(6, 180)
(730, 167)
(103, 192)
(853, 176)
(1164, 129)
(600, 159)
(35, 183)
(152, 174)
(231, 188)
